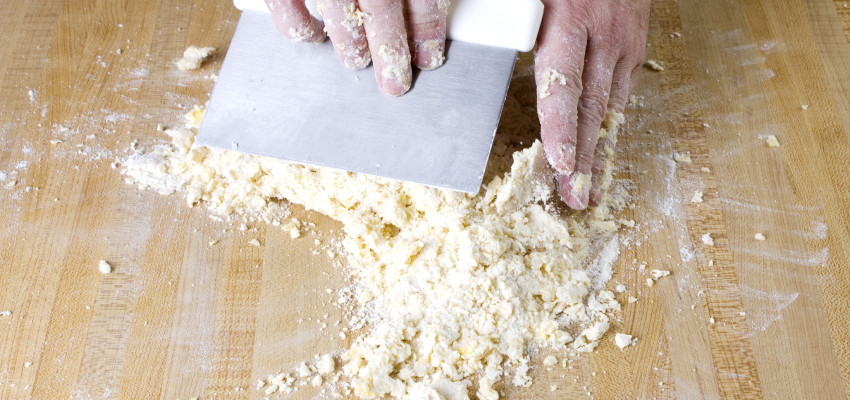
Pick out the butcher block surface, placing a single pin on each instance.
(179, 318)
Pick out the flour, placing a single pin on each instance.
(449, 285)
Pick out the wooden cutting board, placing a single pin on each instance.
(180, 318)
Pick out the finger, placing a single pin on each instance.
(597, 78)
(387, 37)
(294, 21)
(344, 25)
(426, 22)
(604, 157)
(620, 89)
(558, 69)
(621, 86)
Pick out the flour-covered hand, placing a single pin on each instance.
(587, 57)
(394, 34)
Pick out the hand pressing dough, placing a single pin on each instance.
(450, 285)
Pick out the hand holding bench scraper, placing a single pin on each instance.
(298, 103)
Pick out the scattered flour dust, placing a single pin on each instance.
(450, 286)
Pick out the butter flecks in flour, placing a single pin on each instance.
(450, 285)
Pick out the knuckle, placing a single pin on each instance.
(593, 103)
(572, 80)
(379, 4)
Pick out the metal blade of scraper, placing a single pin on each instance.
(297, 102)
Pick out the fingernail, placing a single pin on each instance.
(395, 76)
(430, 54)
(577, 191)
(310, 33)
(595, 197)
(581, 188)
(561, 161)
(353, 57)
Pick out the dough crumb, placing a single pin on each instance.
(254, 242)
(193, 57)
(711, 320)
(104, 267)
(650, 282)
(707, 239)
(654, 65)
(697, 197)
(326, 364)
(632, 299)
(658, 274)
(759, 236)
(804, 106)
(772, 141)
(521, 378)
(705, 169)
(547, 78)
(550, 361)
(5, 313)
(683, 158)
(620, 288)
(623, 340)
(294, 228)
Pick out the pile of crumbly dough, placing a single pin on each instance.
(451, 286)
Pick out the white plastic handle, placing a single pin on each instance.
(501, 23)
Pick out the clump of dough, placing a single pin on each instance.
(193, 57)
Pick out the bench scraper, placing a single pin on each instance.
(298, 103)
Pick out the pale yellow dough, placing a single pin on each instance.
(450, 285)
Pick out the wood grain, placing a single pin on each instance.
(179, 317)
